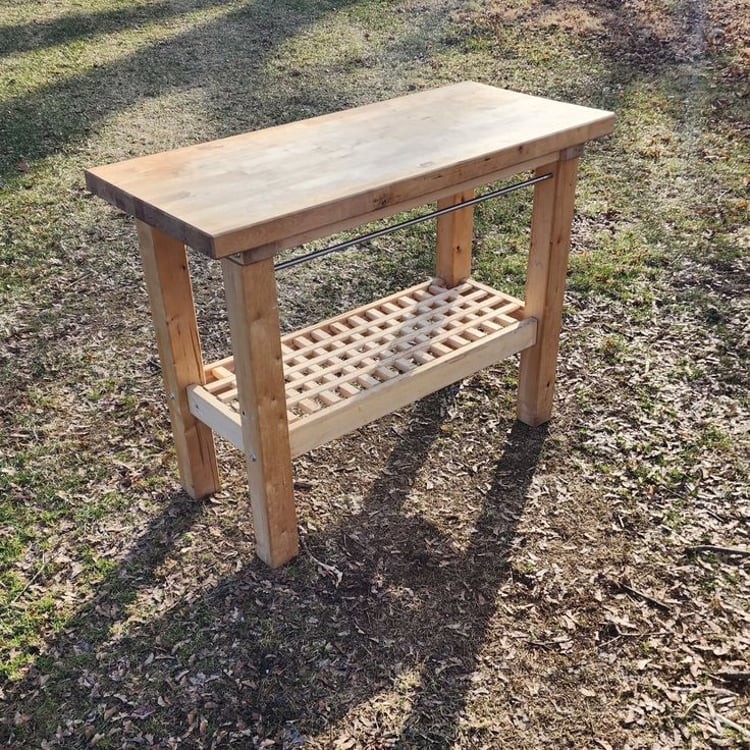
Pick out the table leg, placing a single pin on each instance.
(170, 293)
(256, 344)
(545, 286)
(454, 240)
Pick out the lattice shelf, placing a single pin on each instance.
(347, 371)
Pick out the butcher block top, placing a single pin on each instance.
(309, 178)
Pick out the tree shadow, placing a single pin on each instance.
(216, 55)
(625, 45)
(221, 57)
(28, 37)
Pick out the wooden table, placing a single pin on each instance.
(243, 199)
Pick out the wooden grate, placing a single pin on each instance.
(356, 367)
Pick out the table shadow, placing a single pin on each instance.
(286, 654)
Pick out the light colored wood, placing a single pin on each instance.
(245, 198)
(220, 364)
(284, 243)
(326, 395)
(220, 417)
(387, 341)
(376, 402)
(249, 190)
(365, 328)
(254, 324)
(325, 425)
(372, 339)
(354, 379)
(167, 277)
(454, 240)
(545, 288)
(435, 333)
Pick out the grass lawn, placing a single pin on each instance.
(465, 581)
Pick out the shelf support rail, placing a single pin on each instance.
(307, 257)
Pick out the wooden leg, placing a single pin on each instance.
(454, 240)
(170, 292)
(545, 286)
(256, 344)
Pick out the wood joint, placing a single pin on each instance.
(574, 152)
(256, 255)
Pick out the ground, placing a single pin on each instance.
(464, 581)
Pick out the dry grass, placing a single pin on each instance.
(465, 581)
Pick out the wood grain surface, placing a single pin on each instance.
(249, 190)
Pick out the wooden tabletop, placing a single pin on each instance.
(305, 178)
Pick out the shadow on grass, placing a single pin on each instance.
(27, 37)
(216, 54)
(285, 654)
(40, 703)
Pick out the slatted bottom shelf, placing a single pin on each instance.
(347, 371)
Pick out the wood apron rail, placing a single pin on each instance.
(242, 200)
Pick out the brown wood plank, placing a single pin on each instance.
(545, 288)
(170, 292)
(270, 249)
(245, 191)
(254, 324)
(454, 240)
(222, 419)
(359, 410)
(440, 336)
